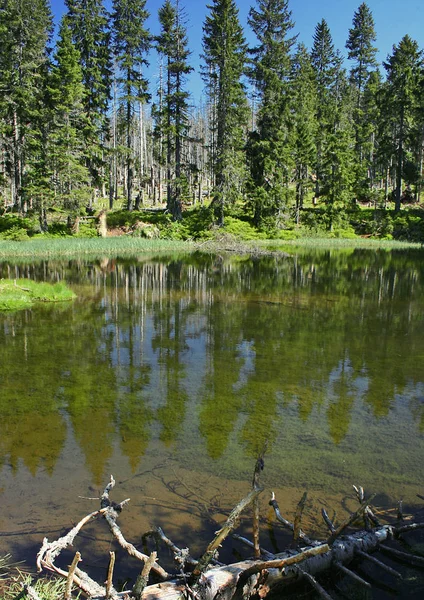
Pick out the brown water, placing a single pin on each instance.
(172, 373)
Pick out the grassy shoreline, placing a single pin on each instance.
(123, 246)
(18, 294)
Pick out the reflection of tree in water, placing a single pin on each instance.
(123, 336)
(415, 396)
(90, 390)
(169, 342)
(220, 404)
(271, 332)
(31, 428)
(344, 392)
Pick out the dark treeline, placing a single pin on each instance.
(280, 124)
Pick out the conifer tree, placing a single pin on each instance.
(305, 125)
(224, 57)
(88, 21)
(361, 49)
(404, 69)
(334, 155)
(70, 177)
(362, 53)
(269, 145)
(173, 114)
(326, 64)
(131, 42)
(25, 30)
(369, 132)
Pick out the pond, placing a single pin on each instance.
(174, 372)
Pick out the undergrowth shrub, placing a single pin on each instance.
(243, 230)
(13, 222)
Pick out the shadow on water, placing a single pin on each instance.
(173, 373)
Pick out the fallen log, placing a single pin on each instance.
(203, 579)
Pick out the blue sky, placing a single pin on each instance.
(393, 19)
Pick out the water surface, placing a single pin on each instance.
(173, 373)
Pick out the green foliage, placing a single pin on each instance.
(388, 224)
(360, 47)
(15, 221)
(14, 581)
(66, 157)
(131, 43)
(86, 230)
(225, 49)
(243, 230)
(269, 152)
(88, 22)
(403, 99)
(25, 29)
(172, 112)
(15, 233)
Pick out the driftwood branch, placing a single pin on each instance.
(327, 521)
(411, 559)
(298, 518)
(273, 502)
(352, 575)
(246, 542)
(110, 575)
(203, 580)
(341, 528)
(143, 578)
(220, 536)
(317, 587)
(380, 564)
(70, 578)
(255, 486)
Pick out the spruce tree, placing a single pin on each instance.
(361, 49)
(131, 43)
(303, 112)
(270, 72)
(362, 53)
(88, 21)
(173, 114)
(404, 69)
(369, 131)
(224, 54)
(326, 64)
(25, 30)
(335, 135)
(70, 177)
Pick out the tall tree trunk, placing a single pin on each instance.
(17, 164)
(129, 157)
(169, 199)
(399, 163)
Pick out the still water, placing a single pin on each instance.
(174, 372)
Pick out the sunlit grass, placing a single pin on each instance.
(130, 246)
(22, 293)
(13, 580)
(59, 248)
(337, 243)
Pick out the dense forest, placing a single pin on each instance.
(280, 128)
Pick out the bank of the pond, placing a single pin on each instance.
(75, 247)
(18, 294)
(124, 246)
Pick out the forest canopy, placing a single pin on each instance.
(281, 127)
